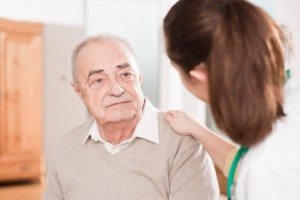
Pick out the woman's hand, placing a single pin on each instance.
(216, 146)
(183, 123)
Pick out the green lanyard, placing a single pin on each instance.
(242, 151)
(287, 75)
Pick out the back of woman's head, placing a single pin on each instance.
(241, 47)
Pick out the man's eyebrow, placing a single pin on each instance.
(99, 71)
(124, 65)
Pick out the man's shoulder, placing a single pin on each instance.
(169, 135)
(76, 135)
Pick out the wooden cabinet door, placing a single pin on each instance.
(20, 90)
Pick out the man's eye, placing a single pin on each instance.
(127, 74)
(98, 81)
(96, 84)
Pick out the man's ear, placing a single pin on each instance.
(77, 90)
(141, 78)
(199, 72)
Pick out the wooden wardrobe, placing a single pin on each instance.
(20, 100)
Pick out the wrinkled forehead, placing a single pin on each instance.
(106, 53)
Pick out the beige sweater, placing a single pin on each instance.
(176, 169)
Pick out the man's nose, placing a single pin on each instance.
(116, 88)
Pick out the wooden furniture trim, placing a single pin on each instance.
(24, 27)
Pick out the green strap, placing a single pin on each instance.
(287, 75)
(235, 162)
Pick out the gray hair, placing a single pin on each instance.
(96, 38)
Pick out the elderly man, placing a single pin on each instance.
(127, 151)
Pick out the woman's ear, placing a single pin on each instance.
(199, 72)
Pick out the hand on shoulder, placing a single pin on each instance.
(183, 123)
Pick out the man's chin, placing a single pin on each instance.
(121, 117)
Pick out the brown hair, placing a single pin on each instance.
(242, 48)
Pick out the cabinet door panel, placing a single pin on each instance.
(21, 102)
(1, 95)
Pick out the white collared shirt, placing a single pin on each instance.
(147, 128)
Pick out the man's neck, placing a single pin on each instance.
(115, 133)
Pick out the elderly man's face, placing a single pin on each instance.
(109, 82)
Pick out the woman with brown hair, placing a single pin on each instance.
(230, 54)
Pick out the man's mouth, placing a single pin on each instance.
(118, 103)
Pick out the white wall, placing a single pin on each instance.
(67, 12)
(62, 108)
(287, 13)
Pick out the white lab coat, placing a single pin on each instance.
(271, 169)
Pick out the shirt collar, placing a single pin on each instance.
(147, 127)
